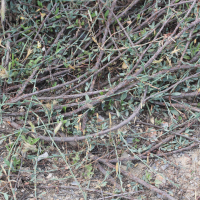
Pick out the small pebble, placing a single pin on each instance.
(74, 183)
(129, 140)
(164, 167)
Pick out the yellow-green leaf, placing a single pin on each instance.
(124, 65)
(157, 61)
(58, 127)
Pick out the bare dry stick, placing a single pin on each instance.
(183, 106)
(7, 53)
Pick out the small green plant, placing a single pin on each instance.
(30, 140)
(88, 171)
(76, 158)
(148, 176)
(135, 140)
(64, 108)
(54, 84)
(22, 117)
(9, 146)
(14, 165)
(180, 118)
(158, 121)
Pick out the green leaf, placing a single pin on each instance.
(158, 95)
(103, 184)
(123, 96)
(7, 162)
(186, 57)
(71, 26)
(157, 182)
(58, 16)
(144, 78)
(57, 128)
(39, 4)
(176, 93)
(137, 140)
(93, 14)
(67, 123)
(106, 14)
(138, 16)
(5, 195)
(151, 50)
(87, 98)
(35, 140)
(118, 113)
(56, 12)
(175, 112)
(64, 108)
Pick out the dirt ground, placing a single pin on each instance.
(179, 174)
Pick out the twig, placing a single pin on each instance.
(7, 53)
(184, 106)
